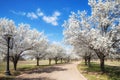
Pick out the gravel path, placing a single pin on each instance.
(58, 72)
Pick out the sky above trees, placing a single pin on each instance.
(43, 15)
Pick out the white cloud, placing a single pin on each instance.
(32, 15)
(56, 13)
(18, 13)
(39, 12)
(52, 19)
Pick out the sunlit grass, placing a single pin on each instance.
(22, 67)
(93, 73)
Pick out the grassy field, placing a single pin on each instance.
(23, 66)
(94, 73)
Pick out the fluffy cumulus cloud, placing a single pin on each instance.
(53, 19)
(32, 15)
(39, 12)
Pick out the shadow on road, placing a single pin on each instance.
(39, 71)
(46, 70)
(41, 78)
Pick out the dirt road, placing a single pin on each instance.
(58, 72)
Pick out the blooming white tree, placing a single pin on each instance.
(23, 39)
(50, 53)
(87, 54)
(40, 46)
(21, 43)
(55, 51)
(96, 31)
(6, 26)
(106, 15)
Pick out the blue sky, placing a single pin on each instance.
(43, 15)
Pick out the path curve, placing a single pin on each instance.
(57, 72)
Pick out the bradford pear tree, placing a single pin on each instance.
(23, 39)
(55, 51)
(87, 54)
(105, 17)
(50, 53)
(6, 27)
(76, 33)
(71, 55)
(94, 32)
(40, 46)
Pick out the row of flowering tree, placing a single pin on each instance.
(97, 33)
(28, 42)
(56, 52)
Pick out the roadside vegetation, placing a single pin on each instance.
(112, 70)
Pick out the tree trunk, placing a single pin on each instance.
(101, 56)
(61, 60)
(15, 65)
(89, 59)
(56, 60)
(49, 61)
(85, 60)
(102, 65)
(15, 60)
(37, 61)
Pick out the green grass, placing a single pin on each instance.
(112, 71)
(22, 67)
